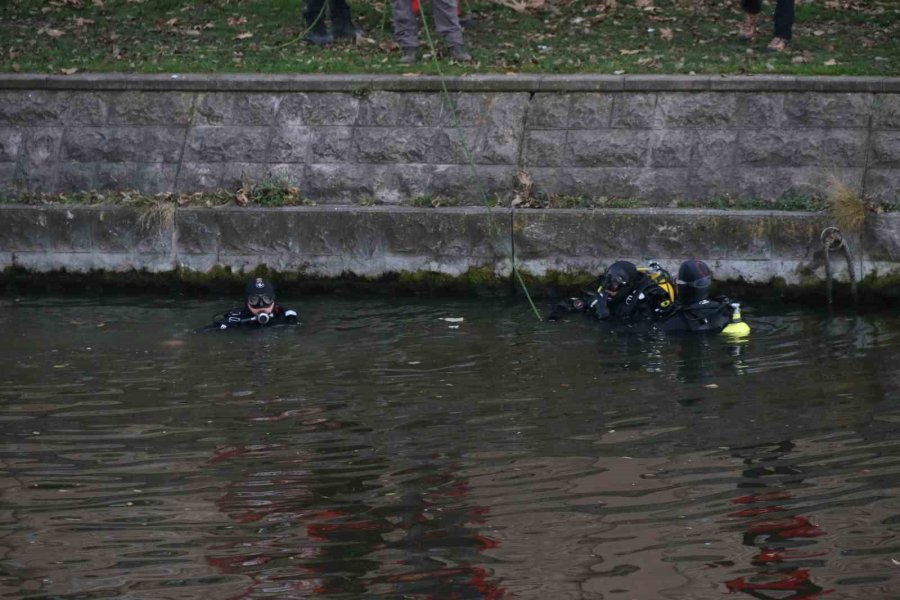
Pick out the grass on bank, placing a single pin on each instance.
(844, 204)
(831, 37)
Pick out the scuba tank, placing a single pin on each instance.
(737, 327)
(662, 278)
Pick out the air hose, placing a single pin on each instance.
(471, 161)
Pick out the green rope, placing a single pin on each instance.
(470, 157)
(307, 30)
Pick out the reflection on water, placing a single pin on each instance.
(378, 451)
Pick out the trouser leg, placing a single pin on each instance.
(340, 14)
(446, 21)
(406, 25)
(312, 12)
(784, 19)
(754, 7)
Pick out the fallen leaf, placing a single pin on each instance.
(55, 33)
(800, 59)
(666, 34)
(628, 52)
(79, 22)
(191, 33)
(235, 21)
(97, 3)
(830, 62)
(642, 3)
(69, 71)
(522, 6)
(243, 35)
(170, 22)
(818, 32)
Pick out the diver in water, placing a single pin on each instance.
(260, 309)
(625, 293)
(695, 310)
(630, 294)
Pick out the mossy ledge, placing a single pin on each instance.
(446, 251)
(476, 282)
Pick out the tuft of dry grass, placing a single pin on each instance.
(846, 207)
(158, 215)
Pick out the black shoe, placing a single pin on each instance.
(468, 22)
(459, 54)
(409, 56)
(345, 31)
(319, 36)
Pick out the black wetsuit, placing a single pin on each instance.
(710, 314)
(242, 317)
(649, 303)
(645, 302)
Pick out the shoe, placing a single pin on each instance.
(459, 54)
(778, 45)
(748, 28)
(344, 31)
(468, 23)
(409, 56)
(318, 37)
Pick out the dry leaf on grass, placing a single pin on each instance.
(522, 6)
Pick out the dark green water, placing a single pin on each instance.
(378, 451)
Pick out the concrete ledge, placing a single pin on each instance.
(371, 242)
(467, 83)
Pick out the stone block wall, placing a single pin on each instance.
(391, 139)
(332, 241)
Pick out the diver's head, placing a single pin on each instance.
(694, 279)
(259, 295)
(620, 278)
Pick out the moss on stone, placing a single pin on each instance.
(874, 290)
(475, 279)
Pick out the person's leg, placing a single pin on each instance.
(314, 15)
(784, 19)
(406, 26)
(341, 21)
(748, 27)
(446, 21)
